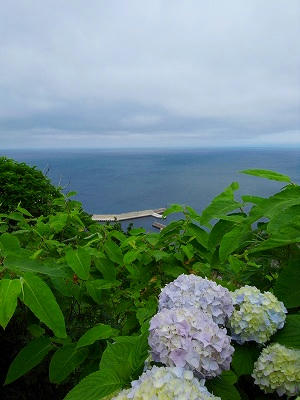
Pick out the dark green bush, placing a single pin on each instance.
(27, 186)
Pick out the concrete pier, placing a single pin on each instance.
(129, 215)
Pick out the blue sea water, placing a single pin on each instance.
(114, 181)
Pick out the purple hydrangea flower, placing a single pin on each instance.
(189, 338)
(194, 291)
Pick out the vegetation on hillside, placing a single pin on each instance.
(76, 297)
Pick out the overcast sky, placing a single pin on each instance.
(135, 73)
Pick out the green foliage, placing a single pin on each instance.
(265, 173)
(30, 356)
(87, 291)
(27, 187)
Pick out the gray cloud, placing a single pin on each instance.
(140, 73)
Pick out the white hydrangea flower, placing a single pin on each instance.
(257, 315)
(167, 383)
(194, 291)
(278, 369)
(189, 338)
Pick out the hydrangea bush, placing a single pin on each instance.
(278, 369)
(189, 338)
(167, 383)
(256, 316)
(194, 291)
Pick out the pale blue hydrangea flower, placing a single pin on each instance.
(189, 338)
(257, 315)
(194, 291)
(166, 384)
(278, 369)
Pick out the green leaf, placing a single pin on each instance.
(271, 244)
(64, 361)
(58, 222)
(268, 174)
(244, 358)
(19, 264)
(30, 356)
(131, 256)
(106, 267)
(220, 205)
(23, 211)
(188, 251)
(159, 254)
(276, 204)
(286, 224)
(200, 234)
(9, 243)
(126, 356)
(289, 335)
(96, 294)
(41, 301)
(100, 331)
(253, 199)
(113, 252)
(174, 208)
(217, 233)
(9, 292)
(96, 386)
(80, 261)
(173, 270)
(232, 240)
(223, 386)
(287, 287)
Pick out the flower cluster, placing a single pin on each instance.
(278, 369)
(257, 315)
(189, 338)
(166, 383)
(194, 291)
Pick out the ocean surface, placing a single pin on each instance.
(114, 181)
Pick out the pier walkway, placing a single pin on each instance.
(129, 215)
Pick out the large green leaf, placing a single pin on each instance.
(100, 331)
(220, 205)
(290, 334)
(174, 208)
(287, 287)
(268, 174)
(223, 386)
(126, 356)
(200, 234)
(9, 292)
(106, 267)
(217, 233)
(30, 356)
(64, 361)
(9, 243)
(19, 264)
(276, 204)
(96, 386)
(41, 301)
(233, 240)
(80, 262)
(113, 252)
(286, 224)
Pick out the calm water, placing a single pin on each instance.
(119, 181)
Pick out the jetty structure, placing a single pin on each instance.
(128, 215)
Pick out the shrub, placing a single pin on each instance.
(27, 186)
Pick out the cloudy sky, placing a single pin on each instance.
(135, 73)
